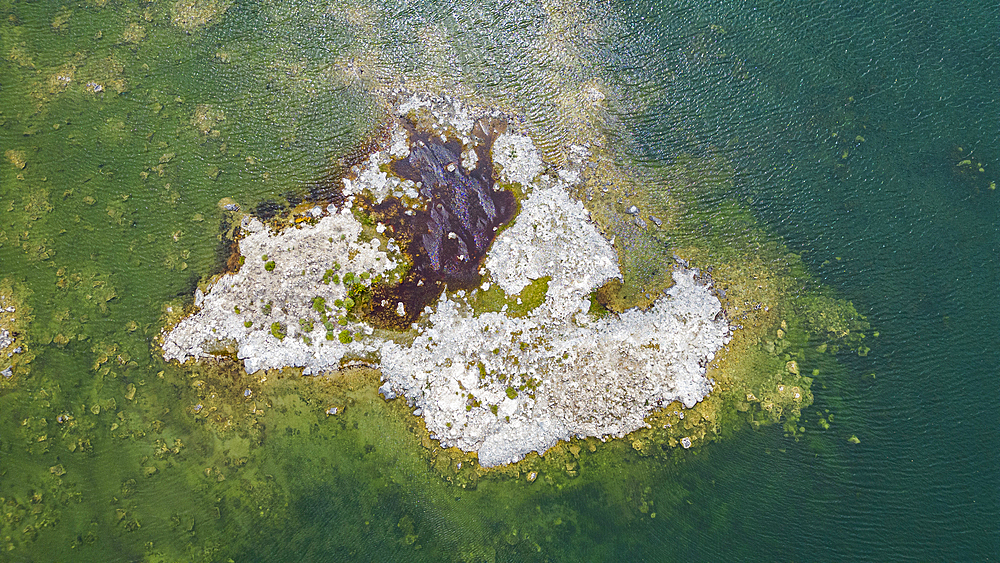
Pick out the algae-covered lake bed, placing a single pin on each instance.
(814, 183)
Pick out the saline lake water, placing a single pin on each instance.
(862, 137)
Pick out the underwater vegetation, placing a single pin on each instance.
(114, 220)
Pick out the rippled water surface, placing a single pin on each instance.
(862, 135)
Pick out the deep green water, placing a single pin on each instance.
(840, 121)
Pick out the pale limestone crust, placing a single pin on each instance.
(301, 257)
(553, 236)
(400, 145)
(369, 176)
(592, 379)
(8, 338)
(516, 158)
(446, 115)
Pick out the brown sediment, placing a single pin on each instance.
(415, 294)
(470, 197)
(229, 246)
(446, 240)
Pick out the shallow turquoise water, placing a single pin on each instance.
(841, 122)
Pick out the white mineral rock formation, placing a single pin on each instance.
(6, 339)
(10, 343)
(516, 158)
(499, 385)
(553, 236)
(6, 317)
(241, 308)
(565, 378)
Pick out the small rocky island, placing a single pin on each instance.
(456, 262)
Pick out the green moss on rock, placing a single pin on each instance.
(494, 300)
(278, 330)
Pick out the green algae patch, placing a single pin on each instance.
(207, 120)
(16, 158)
(596, 310)
(619, 296)
(831, 319)
(495, 300)
(278, 330)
